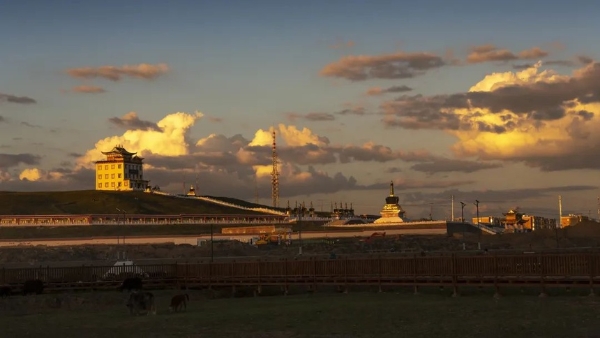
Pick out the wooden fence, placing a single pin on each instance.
(541, 270)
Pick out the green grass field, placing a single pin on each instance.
(357, 314)
(106, 202)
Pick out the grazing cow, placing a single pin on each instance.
(5, 291)
(33, 286)
(179, 301)
(133, 283)
(141, 301)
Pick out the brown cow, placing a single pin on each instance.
(179, 301)
(141, 301)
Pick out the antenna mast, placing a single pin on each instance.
(275, 173)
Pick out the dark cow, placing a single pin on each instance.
(141, 302)
(179, 302)
(133, 283)
(33, 286)
(5, 291)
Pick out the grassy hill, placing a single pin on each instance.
(107, 202)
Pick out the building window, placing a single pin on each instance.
(119, 184)
(112, 176)
(106, 185)
(112, 166)
(106, 176)
(106, 167)
(100, 176)
(100, 167)
(119, 175)
(100, 185)
(119, 166)
(112, 184)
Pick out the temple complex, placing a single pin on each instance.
(391, 212)
(121, 170)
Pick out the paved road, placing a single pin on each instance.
(193, 239)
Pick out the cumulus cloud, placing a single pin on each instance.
(13, 160)
(489, 52)
(170, 140)
(376, 91)
(16, 99)
(35, 174)
(132, 121)
(88, 89)
(400, 65)
(541, 118)
(143, 71)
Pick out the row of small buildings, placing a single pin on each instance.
(514, 221)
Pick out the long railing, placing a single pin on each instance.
(541, 270)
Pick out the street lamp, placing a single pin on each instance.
(301, 211)
(478, 226)
(462, 211)
(212, 248)
(123, 211)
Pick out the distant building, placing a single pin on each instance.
(486, 220)
(121, 171)
(572, 219)
(515, 221)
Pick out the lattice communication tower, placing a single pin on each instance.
(275, 174)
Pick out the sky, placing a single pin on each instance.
(495, 102)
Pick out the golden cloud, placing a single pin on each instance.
(142, 71)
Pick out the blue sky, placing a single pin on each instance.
(252, 62)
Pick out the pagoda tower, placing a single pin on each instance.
(391, 212)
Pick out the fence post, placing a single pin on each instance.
(379, 268)
(496, 288)
(285, 277)
(542, 277)
(416, 287)
(346, 274)
(259, 288)
(454, 277)
(592, 268)
(314, 275)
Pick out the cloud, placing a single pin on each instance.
(88, 89)
(132, 121)
(230, 165)
(143, 71)
(16, 99)
(377, 91)
(440, 165)
(215, 119)
(393, 170)
(170, 140)
(400, 65)
(541, 118)
(340, 44)
(489, 52)
(317, 117)
(13, 160)
(29, 125)
(355, 110)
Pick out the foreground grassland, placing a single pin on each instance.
(357, 314)
(106, 202)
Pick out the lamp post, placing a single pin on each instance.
(478, 226)
(462, 211)
(212, 248)
(301, 210)
(123, 211)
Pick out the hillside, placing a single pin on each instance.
(106, 202)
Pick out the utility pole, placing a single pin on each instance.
(462, 211)
(452, 213)
(431, 211)
(300, 228)
(559, 212)
(478, 226)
